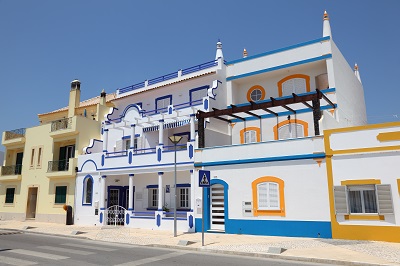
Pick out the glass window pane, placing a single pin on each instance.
(370, 201)
(355, 201)
(10, 195)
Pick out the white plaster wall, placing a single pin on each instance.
(349, 91)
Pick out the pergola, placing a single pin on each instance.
(293, 103)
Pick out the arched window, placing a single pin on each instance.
(297, 84)
(293, 128)
(268, 196)
(87, 190)
(256, 93)
(249, 135)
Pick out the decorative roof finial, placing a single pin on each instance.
(244, 53)
(219, 50)
(326, 27)
(356, 72)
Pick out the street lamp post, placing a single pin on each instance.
(175, 140)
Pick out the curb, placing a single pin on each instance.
(214, 251)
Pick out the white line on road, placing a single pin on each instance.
(153, 259)
(16, 262)
(37, 254)
(88, 247)
(67, 250)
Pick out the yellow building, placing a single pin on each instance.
(38, 176)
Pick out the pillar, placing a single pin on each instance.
(192, 128)
(161, 132)
(160, 190)
(105, 139)
(130, 203)
(103, 192)
(133, 127)
(192, 185)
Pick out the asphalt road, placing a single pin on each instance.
(34, 249)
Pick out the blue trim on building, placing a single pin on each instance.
(318, 58)
(263, 160)
(84, 188)
(206, 87)
(161, 98)
(278, 50)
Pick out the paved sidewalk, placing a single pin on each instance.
(327, 251)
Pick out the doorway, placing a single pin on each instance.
(31, 204)
(119, 195)
(217, 207)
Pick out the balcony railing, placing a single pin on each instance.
(56, 166)
(13, 134)
(11, 169)
(61, 124)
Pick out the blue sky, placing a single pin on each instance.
(112, 44)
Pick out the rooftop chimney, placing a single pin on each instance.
(74, 97)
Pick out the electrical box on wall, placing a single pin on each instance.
(247, 208)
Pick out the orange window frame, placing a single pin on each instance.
(291, 121)
(253, 88)
(281, 184)
(307, 78)
(244, 130)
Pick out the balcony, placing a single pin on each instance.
(63, 128)
(14, 137)
(62, 169)
(11, 172)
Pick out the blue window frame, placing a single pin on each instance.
(87, 196)
(162, 103)
(196, 95)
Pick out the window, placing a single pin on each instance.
(153, 197)
(196, 95)
(363, 199)
(10, 195)
(32, 158)
(268, 196)
(87, 190)
(39, 159)
(292, 128)
(162, 103)
(183, 198)
(256, 93)
(297, 84)
(250, 135)
(61, 195)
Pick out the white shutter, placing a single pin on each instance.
(384, 198)
(284, 132)
(119, 145)
(299, 130)
(287, 87)
(340, 194)
(299, 85)
(145, 201)
(262, 190)
(273, 193)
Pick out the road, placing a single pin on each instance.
(33, 249)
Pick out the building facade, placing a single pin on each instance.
(39, 172)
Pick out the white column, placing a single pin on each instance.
(130, 203)
(192, 128)
(192, 185)
(161, 132)
(133, 127)
(160, 191)
(103, 192)
(105, 139)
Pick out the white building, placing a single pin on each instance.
(259, 122)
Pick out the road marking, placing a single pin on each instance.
(88, 247)
(37, 254)
(68, 250)
(153, 259)
(17, 262)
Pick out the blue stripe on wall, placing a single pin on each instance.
(275, 228)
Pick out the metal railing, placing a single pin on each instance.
(199, 67)
(56, 166)
(11, 169)
(61, 124)
(16, 133)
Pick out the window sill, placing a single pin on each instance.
(269, 213)
(365, 217)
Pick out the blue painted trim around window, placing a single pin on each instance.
(183, 185)
(197, 89)
(152, 186)
(161, 98)
(301, 62)
(134, 167)
(263, 160)
(84, 189)
(285, 113)
(279, 50)
(314, 229)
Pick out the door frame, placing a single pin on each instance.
(207, 203)
(28, 205)
(122, 197)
